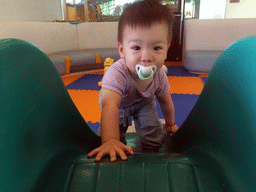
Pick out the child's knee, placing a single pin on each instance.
(152, 139)
(147, 149)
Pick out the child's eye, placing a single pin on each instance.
(157, 48)
(136, 48)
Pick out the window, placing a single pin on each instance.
(97, 10)
(219, 9)
(110, 10)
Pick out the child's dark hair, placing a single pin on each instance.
(144, 14)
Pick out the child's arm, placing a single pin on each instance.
(167, 107)
(110, 135)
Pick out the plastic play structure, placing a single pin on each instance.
(44, 139)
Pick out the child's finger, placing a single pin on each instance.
(94, 152)
(112, 154)
(121, 154)
(100, 155)
(129, 149)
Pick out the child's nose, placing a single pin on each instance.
(146, 56)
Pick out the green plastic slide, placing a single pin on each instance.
(45, 141)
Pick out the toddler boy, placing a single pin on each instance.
(130, 85)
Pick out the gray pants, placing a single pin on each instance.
(147, 124)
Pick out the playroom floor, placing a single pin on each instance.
(84, 91)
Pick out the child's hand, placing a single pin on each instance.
(171, 130)
(111, 148)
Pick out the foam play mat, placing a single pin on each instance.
(185, 89)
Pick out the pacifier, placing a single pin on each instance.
(145, 73)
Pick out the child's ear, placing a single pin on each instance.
(169, 44)
(120, 50)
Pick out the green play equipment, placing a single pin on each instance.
(45, 140)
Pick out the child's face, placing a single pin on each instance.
(144, 46)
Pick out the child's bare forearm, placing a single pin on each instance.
(110, 123)
(169, 113)
(167, 107)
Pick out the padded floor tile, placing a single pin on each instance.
(185, 85)
(179, 71)
(70, 79)
(94, 126)
(97, 73)
(183, 105)
(87, 104)
(87, 82)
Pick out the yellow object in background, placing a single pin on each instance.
(107, 63)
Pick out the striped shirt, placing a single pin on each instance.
(118, 79)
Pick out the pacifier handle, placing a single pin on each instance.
(152, 72)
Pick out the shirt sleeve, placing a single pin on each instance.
(115, 80)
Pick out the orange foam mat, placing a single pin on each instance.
(97, 73)
(171, 63)
(185, 85)
(70, 79)
(87, 103)
(204, 75)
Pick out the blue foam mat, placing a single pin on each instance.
(204, 79)
(90, 82)
(183, 105)
(179, 71)
(94, 126)
(86, 82)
